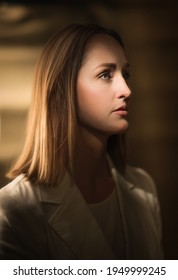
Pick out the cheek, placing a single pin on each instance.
(92, 96)
(87, 96)
(89, 105)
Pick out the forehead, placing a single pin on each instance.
(102, 47)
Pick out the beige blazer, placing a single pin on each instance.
(37, 222)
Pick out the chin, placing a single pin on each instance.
(122, 128)
(117, 131)
(121, 131)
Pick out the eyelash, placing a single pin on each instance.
(126, 75)
(105, 75)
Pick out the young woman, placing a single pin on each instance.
(73, 196)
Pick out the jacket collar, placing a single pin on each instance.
(72, 220)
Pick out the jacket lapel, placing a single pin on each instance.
(135, 209)
(122, 186)
(70, 217)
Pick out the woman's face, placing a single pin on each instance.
(102, 86)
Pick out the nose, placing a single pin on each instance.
(123, 89)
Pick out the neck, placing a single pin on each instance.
(91, 170)
(90, 158)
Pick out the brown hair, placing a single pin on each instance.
(51, 132)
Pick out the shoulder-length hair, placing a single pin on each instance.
(52, 122)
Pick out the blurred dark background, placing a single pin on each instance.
(149, 31)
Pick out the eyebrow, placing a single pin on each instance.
(112, 65)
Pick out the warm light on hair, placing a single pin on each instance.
(51, 132)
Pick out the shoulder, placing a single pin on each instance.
(17, 194)
(145, 189)
(19, 206)
(22, 223)
(18, 199)
(134, 178)
(141, 179)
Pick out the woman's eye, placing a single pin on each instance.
(126, 76)
(105, 75)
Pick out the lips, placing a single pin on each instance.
(122, 110)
